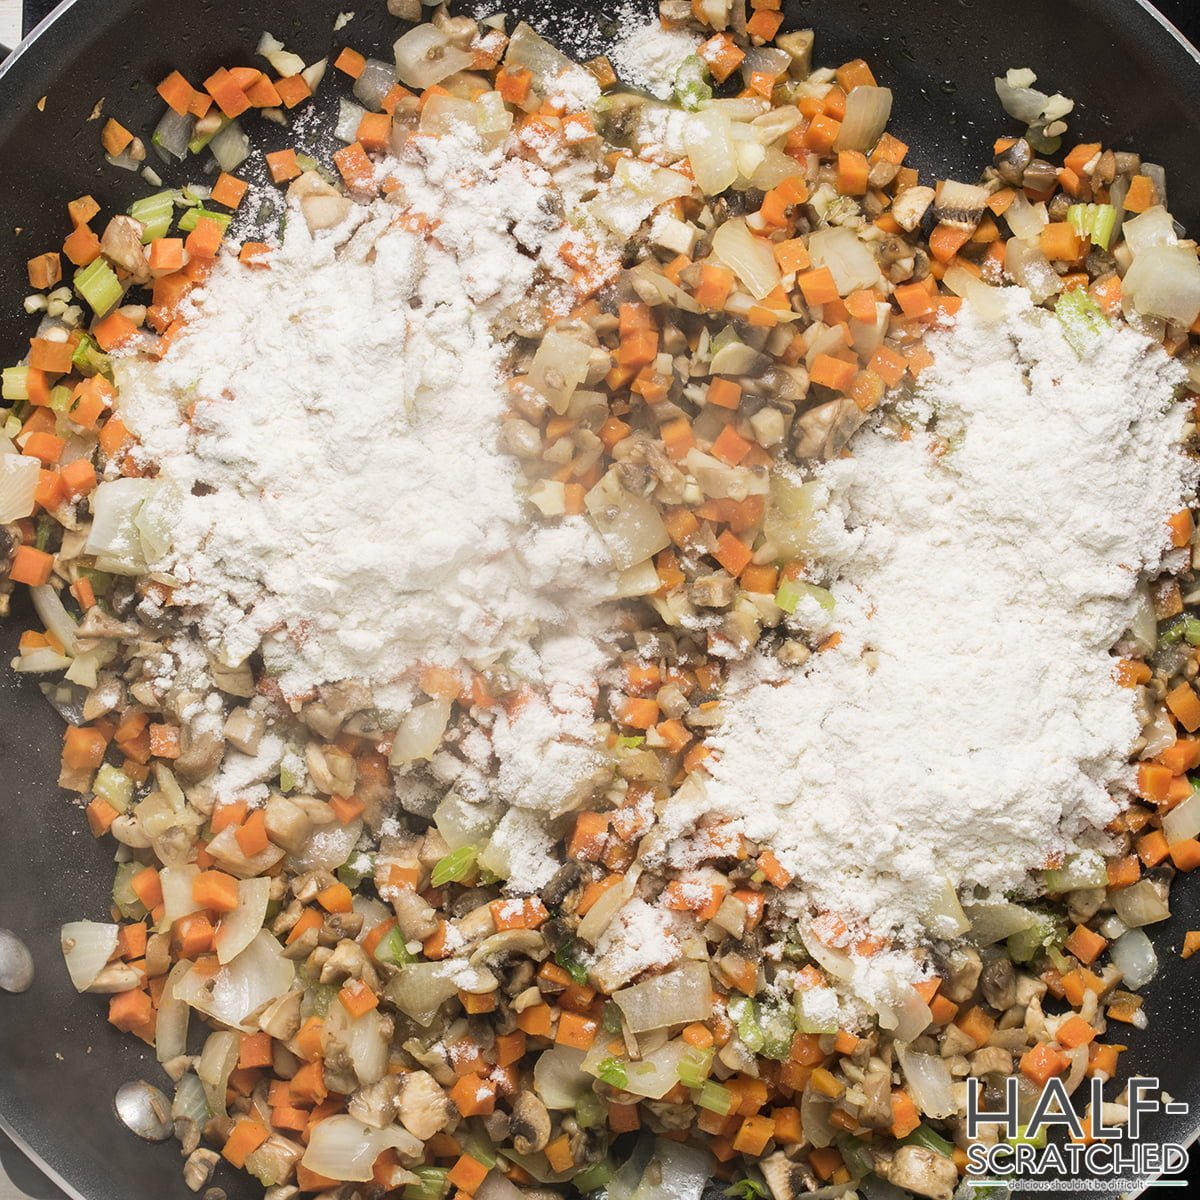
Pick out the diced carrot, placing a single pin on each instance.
(1041, 1063)
(977, 1025)
(1123, 872)
(947, 240)
(723, 56)
(905, 1116)
(292, 90)
(1186, 854)
(32, 567)
(831, 372)
(1141, 195)
(1182, 527)
(45, 270)
(245, 1138)
(100, 816)
(375, 131)
(732, 553)
(576, 1031)
(764, 24)
(1153, 781)
(166, 254)
(774, 871)
(730, 447)
(792, 256)
(82, 246)
(357, 998)
(83, 745)
(336, 898)
(1185, 705)
(638, 712)
(514, 86)
(724, 393)
(229, 814)
(715, 287)
(852, 172)
(914, 299)
(229, 190)
(468, 1173)
(114, 137)
(130, 1010)
(350, 62)
(474, 1096)
(535, 1020)
(283, 165)
(753, 1135)
(1060, 242)
(230, 98)
(355, 167)
(52, 357)
(251, 834)
(1086, 944)
(1073, 1032)
(205, 240)
(822, 133)
(255, 1050)
(177, 92)
(215, 890)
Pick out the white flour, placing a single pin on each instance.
(343, 503)
(648, 56)
(968, 724)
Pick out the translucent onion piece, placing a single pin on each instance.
(1026, 219)
(867, 113)
(364, 1039)
(678, 1172)
(559, 1078)
(750, 258)
(815, 1108)
(350, 116)
(1154, 227)
(54, 615)
(327, 848)
(425, 56)
(230, 856)
(708, 137)
(1164, 281)
(658, 1072)
(87, 946)
(945, 917)
(681, 995)
(989, 302)
(1140, 904)
(284, 62)
(176, 889)
(790, 514)
(550, 67)
(172, 135)
(40, 661)
(230, 147)
(190, 1100)
(420, 989)
(171, 1027)
(377, 79)
(1184, 821)
(560, 365)
(600, 915)
(345, 1149)
(496, 1187)
(18, 482)
(1029, 266)
(258, 975)
(240, 927)
(929, 1081)
(630, 525)
(991, 923)
(1134, 957)
(217, 1061)
(1022, 101)
(420, 733)
(114, 538)
(850, 260)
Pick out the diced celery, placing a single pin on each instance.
(12, 426)
(1022, 1138)
(597, 1176)
(15, 383)
(857, 1157)
(692, 88)
(201, 140)
(612, 1071)
(694, 1067)
(1079, 871)
(590, 1111)
(61, 399)
(89, 359)
(317, 999)
(928, 1139)
(287, 780)
(433, 1183)
(393, 950)
(454, 867)
(124, 897)
(792, 591)
(480, 1149)
(567, 957)
(610, 1021)
(1081, 318)
(191, 218)
(155, 213)
(306, 162)
(742, 1011)
(1023, 946)
(1094, 221)
(630, 742)
(98, 284)
(360, 867)
(715, 1097)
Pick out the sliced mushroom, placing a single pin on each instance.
(960, 204)
(377, 1104)
(923, 1172)
(1011, 163)
(530, 1125)
(911, 206)
(424, 1107)
(121, 244)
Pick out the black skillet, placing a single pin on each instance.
(1137, 86)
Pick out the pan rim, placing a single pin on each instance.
(16, 61)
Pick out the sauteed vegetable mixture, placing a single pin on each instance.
(347, 980)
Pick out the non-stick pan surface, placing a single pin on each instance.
(1136, 85)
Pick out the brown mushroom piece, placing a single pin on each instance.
(377, 1104)
(121, 244)
(530, 1124)
(787, 1180)
(923, 1172)
(1011, 162)
(424, 1107)
(960, 204)
(998, 982)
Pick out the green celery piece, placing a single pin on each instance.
(393, 949)
(748, 1189)
(90, 360)
(45, 527)
(317, 999)
(433, 1184)
(1081, 318)
(778, 1028)
(610, 1022)
(590, 1111)
(15, 383)
(124, 897)
(792, 591)
(630, 742)
(61, 399)
(287, 780)
(612, 1071)
(694, 1067)
(929, 1139)
(155, 212)
(1191, 631)
(1077, 872)
(191, 218)
(306, 162)
(114, 786)
(455, 867)
(352, 876)
(715, 1097)
(201, 140)
(98, 284)
(741, 1009)
(1022, 1138)
(1023, 946)
(692, 88)
(597, 1176)
(566, 956)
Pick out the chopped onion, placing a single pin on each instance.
(230, 856)
(190, 1100)
(1134, 957)
(1029, 266)
(54, 615)
(549, 66)
(1183, 822)
(815, 1108)
(420, 989)
(656, 1074)
(1164, 281)
(945, 917)
(677, 997)
(240, 988)
(929, 1081)
(420, 733)
(424, 57)
(1140, 904)
(708, 137)
(1025, 219)
(230, 147)
(343, 1148)
(18, 482)
(1022, 101)
(327, 848)
(240, 927)
(630, 525)
(600, 915)
(40, 661)
(867, 113)
(365, 1040)
(991, 923)
(682, 1172)
(377, 79)
(312, 75)
(905, 1020)
(560, 365)
(496, 1187)
(172, 135)
(465, 823)
(114, 539)
(1154, 227)
(87, 946)
(217, 1062)
(350, 116)
(790, 516)
(657, 185)
(989, 302)
(171, 1026)
(751, 258)
(853, 264)
(176, 887)
(1143, 629)
(444, 114)
(284, 62)
(559, 1078)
